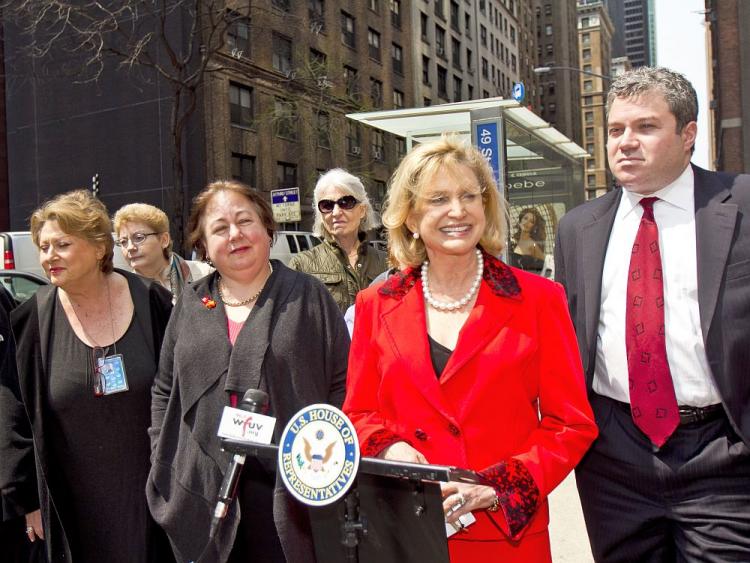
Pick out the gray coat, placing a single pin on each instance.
(295, 345)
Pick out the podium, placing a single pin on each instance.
(393, 512)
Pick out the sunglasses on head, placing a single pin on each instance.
(347, 202)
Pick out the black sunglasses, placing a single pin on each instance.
(347, 202)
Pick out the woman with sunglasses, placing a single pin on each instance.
(142, 233)
(462, 360)
(74, 449)
(344, 262)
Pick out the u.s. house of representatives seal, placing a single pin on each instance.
(319, 455)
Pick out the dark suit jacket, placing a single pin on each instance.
(27, 479)
(294, 344)
(722, 224)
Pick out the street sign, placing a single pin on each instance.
(519, 91)
(285, 205)
(487, 139)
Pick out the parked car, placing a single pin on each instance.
(289, 243)
(20, 253)
(21, 285)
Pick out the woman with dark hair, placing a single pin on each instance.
(73, 421)
(253, 323)
(528, 241)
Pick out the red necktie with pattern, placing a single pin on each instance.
(652, 399)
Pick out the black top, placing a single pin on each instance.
(439, 355)
(99, 447)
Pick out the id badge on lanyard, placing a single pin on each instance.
(111, 375)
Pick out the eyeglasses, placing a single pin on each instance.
(137, 239)
(347, 202)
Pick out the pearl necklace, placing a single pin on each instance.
(452, 305)
(245, 301)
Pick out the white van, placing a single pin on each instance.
(20, 253)
(289, 243)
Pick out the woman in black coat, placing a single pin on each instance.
(73, 420)
(253, 323)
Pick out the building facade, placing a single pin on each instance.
(633, 30)
(595, 39)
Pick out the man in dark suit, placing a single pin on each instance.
(658, 281)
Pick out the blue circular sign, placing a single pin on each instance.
(519, 91)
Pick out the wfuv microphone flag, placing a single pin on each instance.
(254, 401)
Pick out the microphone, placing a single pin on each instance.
(254, 400)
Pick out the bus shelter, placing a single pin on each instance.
(539, 170)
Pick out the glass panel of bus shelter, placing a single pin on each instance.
(542, 184)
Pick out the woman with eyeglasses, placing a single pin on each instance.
(251, 324)
(142, 233)
(344, 262)
(73, 422)
(461, 360)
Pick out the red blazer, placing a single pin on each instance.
(511, 401)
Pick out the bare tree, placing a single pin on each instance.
(175, 39)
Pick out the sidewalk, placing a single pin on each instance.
(570, 544)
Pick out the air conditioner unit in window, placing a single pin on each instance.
(356, 150)
(377, 154)
(441, 50)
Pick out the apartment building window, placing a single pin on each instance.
(589, 133)
(483, 6)
(377, 145)
(590, 148)
(286, 174)
(285, 119)
(456, 53)
(281, 4)
(373, 42)
(323, 128)
(586, 54)
(426, 102)
(243, 168)
(512, 35)
(424, 23)
(469, 60)
(397, 58)
(584, 22)
(347, 30)
(455, 16)
(376, 92)
(513, 63)
(550, 49)
(552, 108)
(240, 105)
(467, 25)
(238, 36)
(548, 9)
(590, 163)
(396, 13)
(470, 91)
(482, 35)
(398, 99)
(588, 85)
(457, 89)
(353, 140)
(493, 74)
(439, 11)
(440, 41)
(589, 116)
(425, 70)
(316, 12)
(485, 69)
(282, 54)
(591, 179)
(548, 29)
(401, 142)
(374, 5)
(586, 39)
(377, 194)
(351, 81)
(442, 76)
(551, 90)
(485, 94)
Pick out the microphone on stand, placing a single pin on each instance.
(254, 400)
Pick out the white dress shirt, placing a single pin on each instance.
(675, 216)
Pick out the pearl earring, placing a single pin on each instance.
(415, 235)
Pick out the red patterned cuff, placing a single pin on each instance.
(377, 442)
(517, 493)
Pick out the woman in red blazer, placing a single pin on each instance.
(462, 360)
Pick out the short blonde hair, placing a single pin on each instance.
(152, 216)
(80, 214)
(410, 180)
(346, 182)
